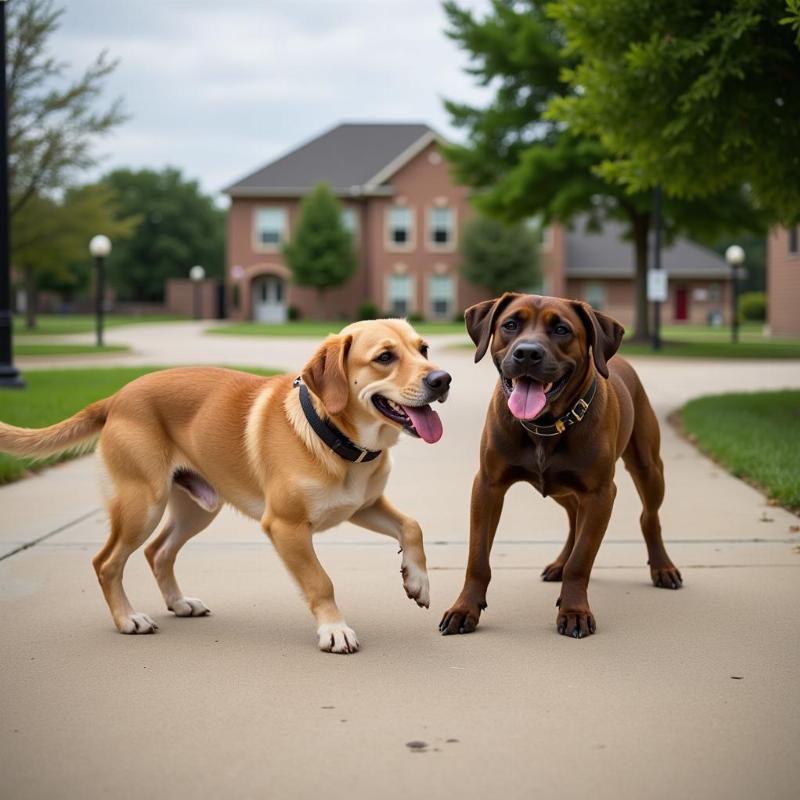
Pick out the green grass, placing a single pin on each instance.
(764, 348)
(60, 324)
(318, 329)
(52, 349)
(54, 395)
(755, 436)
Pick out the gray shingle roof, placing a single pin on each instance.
(607, 255)
(347, 156)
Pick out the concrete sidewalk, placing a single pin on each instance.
(680, 694)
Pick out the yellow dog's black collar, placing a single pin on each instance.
(343, 447)
(572, 417)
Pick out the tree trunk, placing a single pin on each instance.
(640, 224)
(30, 298)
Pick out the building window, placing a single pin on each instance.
(401, 288)
(595, 295)
(714, 293)
(440, 227)
(401, 227)
(349, 220)
(440, 292)
(270, 227)
(793, 241)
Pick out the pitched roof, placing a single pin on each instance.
(351, 157)
(607, 254)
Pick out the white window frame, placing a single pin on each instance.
(412, 293)
(349, 211)
(592, 287)
(389, 243)
(260, 246)
(451, 300)
(450, 245)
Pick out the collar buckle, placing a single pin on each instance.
(579, 410)
(364, 453)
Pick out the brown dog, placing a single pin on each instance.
(559, 419)
(189, 440)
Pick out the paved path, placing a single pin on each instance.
(681, 694)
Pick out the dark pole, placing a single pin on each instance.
(657, 264)
(99, 302)
(734, 303)
(197, 299)
(9, 375)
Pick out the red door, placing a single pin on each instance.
(681, 304)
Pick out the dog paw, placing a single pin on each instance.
(576, 622)
(188, 607)
(553, 572)
(668, 577)
(136, 623)
(336, 637)
(462, 617)
(416, 584)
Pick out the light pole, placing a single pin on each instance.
(9, 375)
(734, 255)
(100, 247)
(197, 275)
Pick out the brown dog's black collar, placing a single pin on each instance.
(572, 417)
(343, 447)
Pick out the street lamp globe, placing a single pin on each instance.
(197, 273)
(734, 255)
(100, 246)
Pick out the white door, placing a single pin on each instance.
(268, 300)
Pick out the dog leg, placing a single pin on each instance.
(383, 517)
(554, 571)
(294, 545)
(186, 519)
(134, 513)
(594, 511)
(485, 509)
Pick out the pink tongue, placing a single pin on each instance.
(426, 422)
(528, 399)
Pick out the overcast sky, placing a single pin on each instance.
(220, 87)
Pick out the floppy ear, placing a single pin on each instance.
(480, 321)
(326, 373)
(604, 332)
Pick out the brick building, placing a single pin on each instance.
(783, 281)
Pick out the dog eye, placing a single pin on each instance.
(561, 330)
(386, 357)
(424, 350)
(510, 325)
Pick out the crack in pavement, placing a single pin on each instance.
(60, 529)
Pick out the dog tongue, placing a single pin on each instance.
(527, 399)
(426, 422)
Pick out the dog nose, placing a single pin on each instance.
(438, 380)
(531, 352)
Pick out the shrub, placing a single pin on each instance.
(753, 306)
(415, 317)
(294, 313)
(367, 311)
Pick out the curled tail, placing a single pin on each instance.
(39, 442)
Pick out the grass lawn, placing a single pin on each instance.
(66, 349)
(755, 436)
(53, 395)
(709, 348)
(59, 324)
(319, 329)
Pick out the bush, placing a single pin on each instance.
(415, 317)
(753, 306)
(294, 313)
(458, 316)
(367, 311)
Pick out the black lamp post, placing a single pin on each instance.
(197, 275)
(100, 247)
(734, 255)
(9, 374)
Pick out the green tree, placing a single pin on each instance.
(527, 164)
(501, 257)
(700, 96)
(53, 125)
(178, 227)
(321, 252)
(50, 245)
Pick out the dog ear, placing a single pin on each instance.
(326, 373)
(480, 320)
(604, 332)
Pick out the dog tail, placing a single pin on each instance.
(40, 442)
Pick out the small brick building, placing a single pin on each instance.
(783, 281)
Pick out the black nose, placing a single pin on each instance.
(438, 380)
(528, 352)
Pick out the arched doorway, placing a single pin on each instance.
(268, 299)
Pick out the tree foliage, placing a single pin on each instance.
(320, 253)
(526, 163)
(178, 226)
(53, 124)
(700, 96)
(501, 257)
